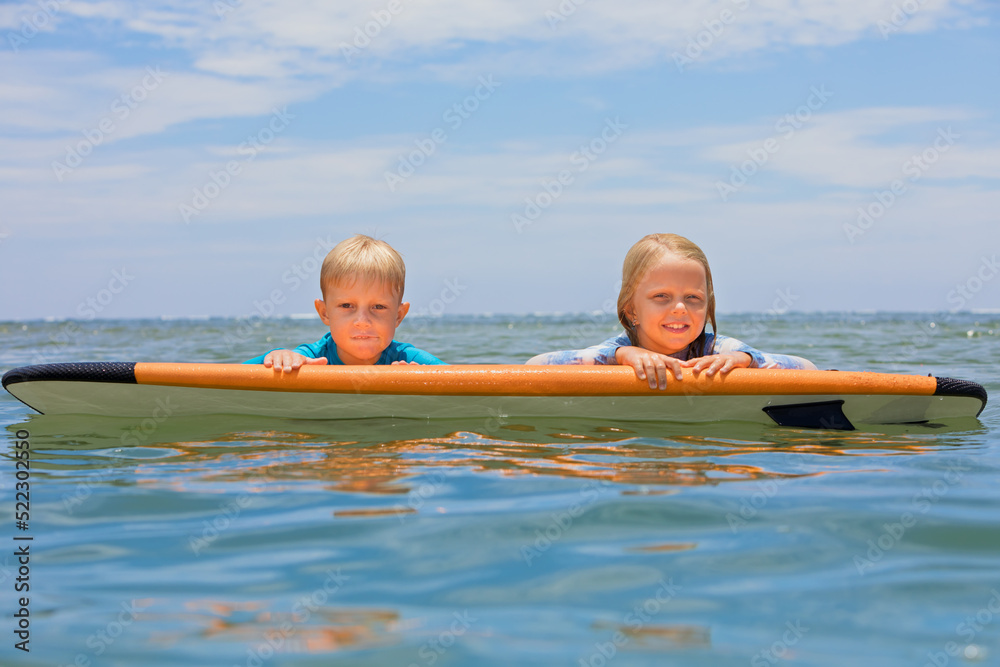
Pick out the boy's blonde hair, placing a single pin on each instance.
(640, 260)
(363, 258)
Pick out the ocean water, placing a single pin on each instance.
(251, 541)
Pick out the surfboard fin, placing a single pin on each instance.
(821, 414)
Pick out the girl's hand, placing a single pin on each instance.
(719, 363)
(404, 363)
(651, 366)
(287, 361)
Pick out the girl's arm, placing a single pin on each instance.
(725, 344)
(564, 357)
(600, 354)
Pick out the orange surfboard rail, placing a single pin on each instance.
(516, 380)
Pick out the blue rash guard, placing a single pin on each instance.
(325, 347)
(604, 353)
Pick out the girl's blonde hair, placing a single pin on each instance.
(363, 258)
(640, 260)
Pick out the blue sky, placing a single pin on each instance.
(192, 158)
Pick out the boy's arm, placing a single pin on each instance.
(260, 359)
(404, 353)
(289, 360)
(317, 349)
(285, 360)
(424, 358)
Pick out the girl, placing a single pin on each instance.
(665, 302)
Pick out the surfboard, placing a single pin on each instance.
(836, 400)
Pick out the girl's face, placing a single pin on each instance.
(670, 304)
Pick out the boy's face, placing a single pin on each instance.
(362, 317)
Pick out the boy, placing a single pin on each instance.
(362, 286)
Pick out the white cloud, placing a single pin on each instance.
(276, 39)
(640, 172)
(27, 19)
(72, 92)
(851, 149)
(244, 62)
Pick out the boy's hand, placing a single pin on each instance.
(651, 366)
(404, 363)
(719, 363)
(288, 360)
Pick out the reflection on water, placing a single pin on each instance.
(348, 458)
(658, 637)
(237, 484)
(311, 628)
